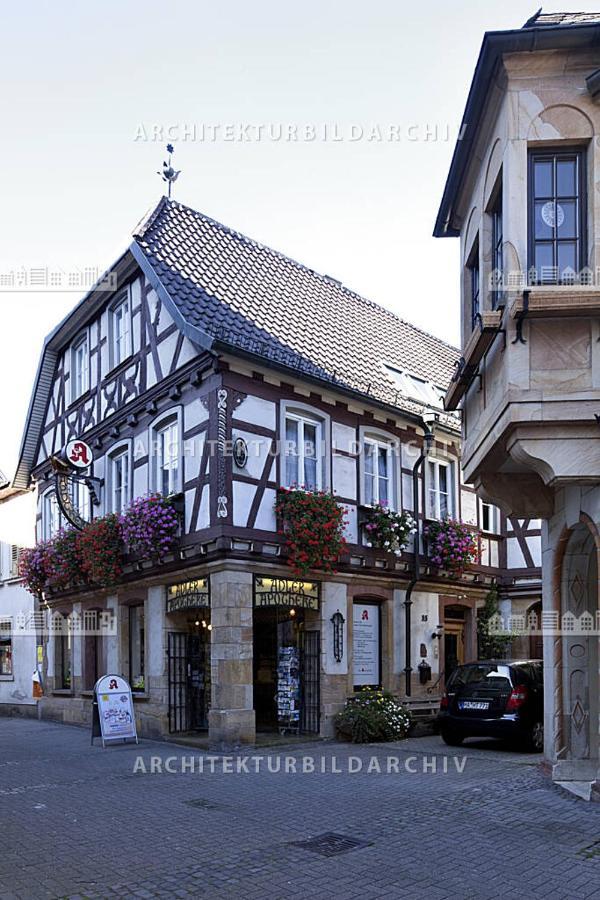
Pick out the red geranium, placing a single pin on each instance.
(313, 524)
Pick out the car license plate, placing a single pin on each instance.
(473, 704)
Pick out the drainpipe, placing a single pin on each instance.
(428, 420)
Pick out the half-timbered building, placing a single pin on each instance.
(194, 369)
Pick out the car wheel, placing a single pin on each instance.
(536, 737)
(451, 738)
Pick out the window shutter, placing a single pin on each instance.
(14, 559)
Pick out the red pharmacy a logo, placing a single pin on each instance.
(365, 615)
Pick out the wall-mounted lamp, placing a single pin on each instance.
(437, 635)
(430, 419)
(337, 620)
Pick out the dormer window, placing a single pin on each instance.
(556, 216)
(120, 329)
(80, 367)
(416, 388)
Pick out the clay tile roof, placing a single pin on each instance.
(256, 299)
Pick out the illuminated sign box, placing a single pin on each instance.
(188, 595)
(284, 592)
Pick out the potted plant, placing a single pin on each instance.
(386, 529)
(452, 545)
(149, 527)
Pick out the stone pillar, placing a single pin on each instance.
(231, 720)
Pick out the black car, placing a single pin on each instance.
(495, 698)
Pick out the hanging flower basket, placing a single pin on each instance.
(452, 545)
(100, 550)
(149, 527)
(34, 567)
(386, 529)
(313, 525)
(64, 568)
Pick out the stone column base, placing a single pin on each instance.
(228, 729)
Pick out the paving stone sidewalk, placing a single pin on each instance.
(86, 822)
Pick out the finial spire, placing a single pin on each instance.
(168, 172)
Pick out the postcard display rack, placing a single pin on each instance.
(288, 689)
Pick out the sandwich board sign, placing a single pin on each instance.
(113, 718)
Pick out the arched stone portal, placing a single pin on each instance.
(579, 653)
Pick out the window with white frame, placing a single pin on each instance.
(167, 454)
(120, 482)
(6, 660)
(51, 517)
(488, 518)
(378, 473)
(303, 460)
(120, 330)
(440, 489)
(80, 367)
(80, 495)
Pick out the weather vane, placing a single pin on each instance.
(169, 174)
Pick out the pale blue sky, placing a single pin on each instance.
(79, 80)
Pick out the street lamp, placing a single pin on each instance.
(429, 418)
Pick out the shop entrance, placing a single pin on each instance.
(189, 678)
(286, 672)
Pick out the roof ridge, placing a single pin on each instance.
(151, 217)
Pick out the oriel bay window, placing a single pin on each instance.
(497, 251)
(474, 284)
(378, 473)
(556, 226)
(440, 489)
(303, 460)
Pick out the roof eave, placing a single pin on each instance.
(64, 332)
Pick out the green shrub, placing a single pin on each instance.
(373, 716)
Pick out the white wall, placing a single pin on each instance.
(17, 605)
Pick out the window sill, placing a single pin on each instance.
(81, 399)
(62, 692)
(7, 677)
(140, 695)
(558, 301)
(120, 367)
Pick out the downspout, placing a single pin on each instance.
(416, 566)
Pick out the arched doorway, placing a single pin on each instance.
(580, 658)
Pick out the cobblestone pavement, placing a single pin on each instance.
(77, 821)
